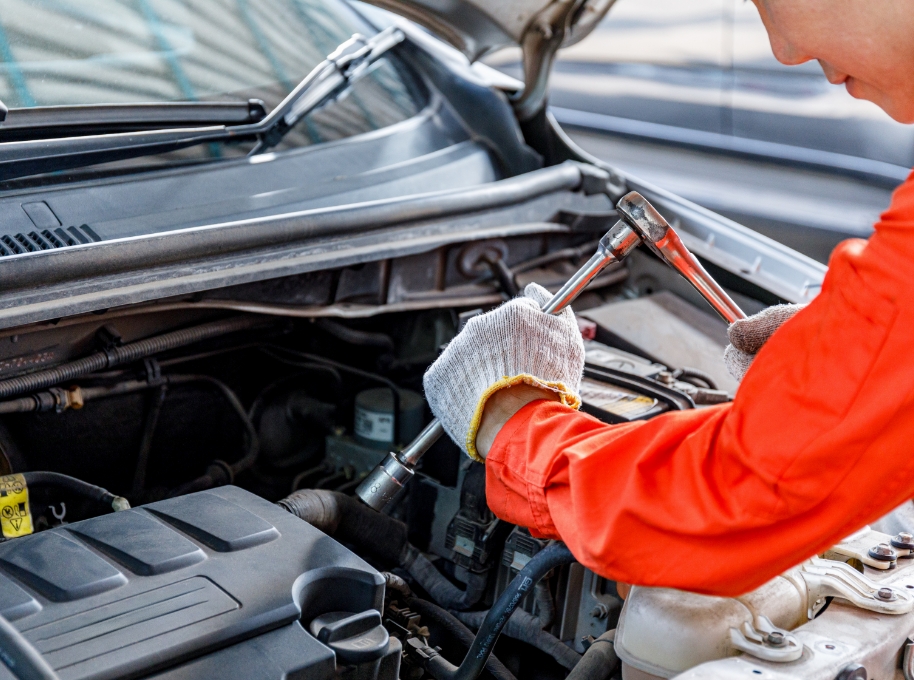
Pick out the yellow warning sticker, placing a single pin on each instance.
(15, 517)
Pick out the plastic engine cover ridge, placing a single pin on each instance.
(134, 592)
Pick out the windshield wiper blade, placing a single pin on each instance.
(349, 62)
(43, 122)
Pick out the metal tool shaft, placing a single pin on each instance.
(640, 223)
(383, 484)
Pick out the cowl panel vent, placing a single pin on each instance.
(46, 239)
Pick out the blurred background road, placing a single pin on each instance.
(688, 96)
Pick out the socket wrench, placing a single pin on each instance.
(662, 239)
(639, 223)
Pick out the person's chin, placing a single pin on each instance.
(901, 111)
(853, 88)
(859, 90)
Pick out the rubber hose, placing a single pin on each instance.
(124, 354)
(77, 486)
(599, 661)
(439, 588)
(528, 628)
(348, 520)
(23, 660)
(429, 611)
(544, 603)
(547, 559)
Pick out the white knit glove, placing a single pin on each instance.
(747, 336)
(515, 343)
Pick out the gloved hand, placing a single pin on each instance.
(513, 344)
(747, 336)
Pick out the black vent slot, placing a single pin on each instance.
(47, 239)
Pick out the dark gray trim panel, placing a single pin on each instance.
(52, 284)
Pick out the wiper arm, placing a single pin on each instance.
(44, 122)
(347, 64)
(342, 67)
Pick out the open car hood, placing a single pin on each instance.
(477, 27)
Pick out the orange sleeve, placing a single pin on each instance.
(818, 442)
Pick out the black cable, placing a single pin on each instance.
(260, 399)
(690, 375)
(77, 486)
(219, 472)
(253, 441)
(430, 612)
(149, 427)
(270, 350)
(356, 337)
(527, 628)
(547, 559)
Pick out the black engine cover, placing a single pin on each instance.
(131, 593)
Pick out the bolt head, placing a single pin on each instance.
(776, 638)
(904, 540)
(883, 552)
(601, 611)
(885, 594)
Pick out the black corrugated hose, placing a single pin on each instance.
(348, 520)
(125, 354)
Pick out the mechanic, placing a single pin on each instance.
(820, 438)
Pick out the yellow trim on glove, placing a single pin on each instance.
(568, 398)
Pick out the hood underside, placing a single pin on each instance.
(539, 27)
(477, 27)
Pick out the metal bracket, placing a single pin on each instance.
(766, 641)
(872, 548)
(541, 41)
(828, 578)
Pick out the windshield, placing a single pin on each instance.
(77, 52)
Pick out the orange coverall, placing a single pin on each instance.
(818, 443)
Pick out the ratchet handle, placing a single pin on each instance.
(662, 239)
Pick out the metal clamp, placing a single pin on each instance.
(827, 578)
(871, 548)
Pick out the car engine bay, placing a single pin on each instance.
(217, 417)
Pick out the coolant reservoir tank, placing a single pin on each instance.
(663, 632)
(374, 417)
